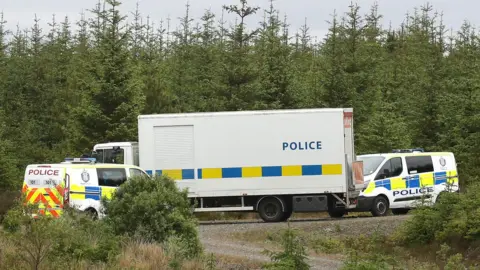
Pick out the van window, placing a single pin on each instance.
(136, 172)
(110, 156)
(419, 164)
(111, 177)
(391, 168)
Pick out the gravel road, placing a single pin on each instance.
(222, 238)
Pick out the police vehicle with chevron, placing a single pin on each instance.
(405, 178)
(274, 162)
(77, 182)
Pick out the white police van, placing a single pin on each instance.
(402, 179)
(78, 183)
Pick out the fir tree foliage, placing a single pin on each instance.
(63, 90)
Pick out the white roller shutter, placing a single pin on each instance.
(174, 147)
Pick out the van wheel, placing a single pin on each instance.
(270, 210)
(439, 197)
(380, 206)
(91, 212)
(400, 211)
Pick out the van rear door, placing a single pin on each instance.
(44, 185)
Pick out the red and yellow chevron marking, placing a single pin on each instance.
(45, 198)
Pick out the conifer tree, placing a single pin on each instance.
(275, 62)
(112, 105)
(63, 90)
(239, 71)
(337, 91)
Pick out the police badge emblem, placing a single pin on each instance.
(443, 162)
(85, 176)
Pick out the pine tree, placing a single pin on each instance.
(337, 91)
(275, 74)
(239, 73)
(459, 115)
(63, 90)
(8, 159)
(111, 106)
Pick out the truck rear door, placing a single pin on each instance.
(44, 185)
(354, 168)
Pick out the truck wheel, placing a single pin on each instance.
(270, 210)
(380, 206)
(333, 210)
(400, 211)
(287, 215)
(336, 213)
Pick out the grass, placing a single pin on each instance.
(134, 255)
(364, 244)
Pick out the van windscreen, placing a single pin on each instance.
(370, 164)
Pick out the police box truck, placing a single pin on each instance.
(273, 162)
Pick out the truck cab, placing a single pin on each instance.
(117, 153)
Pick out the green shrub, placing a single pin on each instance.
(368, 252)
(327, 244)
(7, 201)
(293, 256)
(154, 210)
(455, 218)
(62, 242)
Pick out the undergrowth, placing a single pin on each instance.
(443, 236)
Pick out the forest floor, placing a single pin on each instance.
(244, 241)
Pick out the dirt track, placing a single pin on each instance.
(223, 239)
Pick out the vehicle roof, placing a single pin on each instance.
(112, 144)
(85, 165)
(251, 112)
(407, 154)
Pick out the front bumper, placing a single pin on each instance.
(364, 203)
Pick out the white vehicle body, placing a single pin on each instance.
(406, 179)
(78, 185)
(298, 160)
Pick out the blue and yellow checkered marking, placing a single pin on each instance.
(90, 192)
(249, 172)
(416, 181)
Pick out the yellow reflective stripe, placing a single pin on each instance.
(398, 183)
(174, 174)
(291, 170)
(76, 196)
(331, 169)
(252, 172)
(426, 179)
(452, 177)
(211, 173)
(107, 192)
(370, 187)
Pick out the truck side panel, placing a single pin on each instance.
(250, 153)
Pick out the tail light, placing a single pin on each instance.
(66, 195)
(66, 190)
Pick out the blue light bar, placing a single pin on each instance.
(81, 160)
(408, 150)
